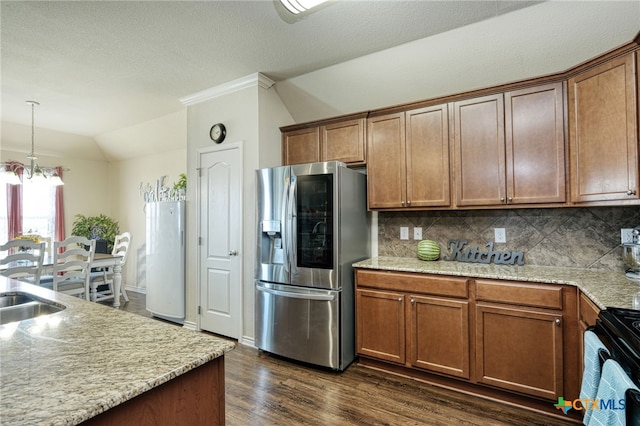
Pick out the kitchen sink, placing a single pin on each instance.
(18, 306)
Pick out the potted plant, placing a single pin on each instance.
(99, 228)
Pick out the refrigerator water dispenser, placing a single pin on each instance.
(272, 251)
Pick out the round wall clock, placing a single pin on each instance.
(217, 132)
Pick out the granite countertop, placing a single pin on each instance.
(605, 288)
(64, 368)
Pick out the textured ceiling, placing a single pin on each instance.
(103, 65)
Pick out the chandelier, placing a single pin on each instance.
(34, 173)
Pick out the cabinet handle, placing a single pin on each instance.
(402, 202)
(558, 321)
(399, 299)
(510, 199)
(412, 301)
(502, 199)
(408, 202)
(631, 192)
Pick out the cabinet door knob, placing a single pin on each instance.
(408, 202)
(412, 301)
(558, 321)
(233, 253)
(510, 199)
(631, 192)
(402, 202)
(502, 199)
(399, 299)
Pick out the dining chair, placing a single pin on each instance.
(23, 260)
(72, 260)
(102, 281)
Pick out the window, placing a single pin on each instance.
(38, 211)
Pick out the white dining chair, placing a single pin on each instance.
(102, 281)
(72, 260)
(22, 260)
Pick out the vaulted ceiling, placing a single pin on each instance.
(96, 66)
(100, 66)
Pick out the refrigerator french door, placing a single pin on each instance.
(312, 225)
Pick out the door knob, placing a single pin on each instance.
(233, 253)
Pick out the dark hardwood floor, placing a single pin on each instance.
(262, 389)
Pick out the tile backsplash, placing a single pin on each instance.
(565, 237)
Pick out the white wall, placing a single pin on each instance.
(242, 113)
(128, 204)
(167, 158)
(514, 46)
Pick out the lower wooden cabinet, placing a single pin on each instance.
(381, 325)
(439, 339)
(513, 336)
(587, 314)
(425, 328)
(520, 350)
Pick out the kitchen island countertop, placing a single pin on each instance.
(605, 288)
(67, 367)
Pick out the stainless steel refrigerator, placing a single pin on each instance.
(312, 225)
(165, 259)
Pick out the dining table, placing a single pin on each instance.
(100, 260)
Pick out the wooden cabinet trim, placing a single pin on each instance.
(588, 311)
(414, 283)
(535, 295)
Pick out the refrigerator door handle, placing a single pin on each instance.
(305, 296)
(285, 229)
(290, 225)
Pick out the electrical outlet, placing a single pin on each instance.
(417, 233)
(500, 235)
(404, 232)
(626, 235)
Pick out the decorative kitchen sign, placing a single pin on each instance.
(458, 251)
(160, 192)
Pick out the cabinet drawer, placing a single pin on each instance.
(588, 310)
(414, 283)
(538, 295)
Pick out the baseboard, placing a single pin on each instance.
(190, 325)
(141, 290)
(248, 341)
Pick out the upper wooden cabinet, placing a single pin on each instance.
(603, 132)
(343, 141)
(408, 159)
(509, 148)
(479, 151)
(339, 140)
(301, 146)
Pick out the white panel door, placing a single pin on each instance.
(220, 208)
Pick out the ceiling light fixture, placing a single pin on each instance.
(299, 6)
(34, 172)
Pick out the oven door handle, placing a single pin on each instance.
(293, 295)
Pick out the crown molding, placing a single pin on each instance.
(252, 80)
